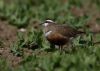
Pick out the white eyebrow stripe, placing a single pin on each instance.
(48, 33)
(49, 20)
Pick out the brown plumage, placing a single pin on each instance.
(59, 34)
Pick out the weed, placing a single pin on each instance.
(16, 48)
(4, 66)
(85, 57)
(32, 40)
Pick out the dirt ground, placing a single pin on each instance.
(8, 33)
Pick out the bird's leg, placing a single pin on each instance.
(60, 47)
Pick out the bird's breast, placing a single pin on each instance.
(56, 38)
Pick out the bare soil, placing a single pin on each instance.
(8, 33)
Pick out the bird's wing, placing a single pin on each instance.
(66, 30)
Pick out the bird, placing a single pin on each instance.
(58, 34)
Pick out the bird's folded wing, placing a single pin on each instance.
(66, 30)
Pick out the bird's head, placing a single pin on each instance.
(48, 22)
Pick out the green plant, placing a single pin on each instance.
(32, 40)
(4, 66)
(16, 48)
(85, 57)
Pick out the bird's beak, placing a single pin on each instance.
(41, 23)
